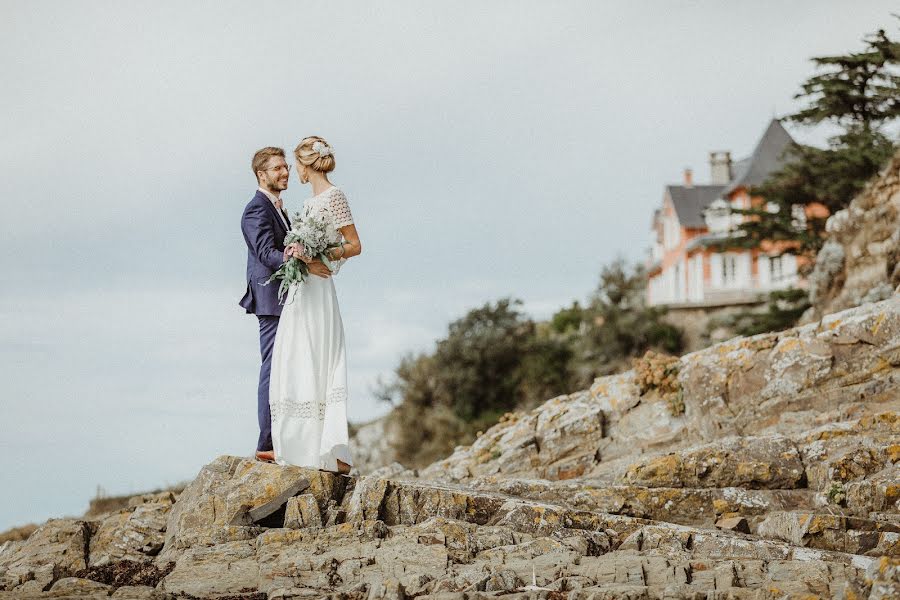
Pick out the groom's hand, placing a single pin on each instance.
(317, 267)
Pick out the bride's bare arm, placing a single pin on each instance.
(351, 245)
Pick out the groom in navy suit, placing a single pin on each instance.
(264, 225)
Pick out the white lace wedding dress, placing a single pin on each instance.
(308, 386)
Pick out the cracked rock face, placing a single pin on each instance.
(860, 262)
(781, 479)
(55, 549)
(131, 534)
(753, 462)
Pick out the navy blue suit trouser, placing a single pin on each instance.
(268, 325)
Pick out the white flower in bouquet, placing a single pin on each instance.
(314, 239)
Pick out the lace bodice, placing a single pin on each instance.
(332, 207)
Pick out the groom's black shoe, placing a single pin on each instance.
(265, 456)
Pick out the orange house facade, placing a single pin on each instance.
(691, 262)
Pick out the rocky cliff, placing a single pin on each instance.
(372, 444)
(860, 262)
(764, 467)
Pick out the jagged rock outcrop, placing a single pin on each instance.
(372, 444)
(860, 261)
(780, 386)
(772, 470)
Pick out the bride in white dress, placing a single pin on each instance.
(308, 386)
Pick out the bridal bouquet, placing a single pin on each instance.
(313, 237)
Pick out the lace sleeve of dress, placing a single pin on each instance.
(337, 264)
(339, 209)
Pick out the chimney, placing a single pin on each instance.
(688, 177)
(720, 167)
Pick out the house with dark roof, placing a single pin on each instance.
(691, 262)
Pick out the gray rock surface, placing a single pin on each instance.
(860, 261)
(372, 444)
(781, 479)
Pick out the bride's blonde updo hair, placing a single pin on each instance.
(306, 155)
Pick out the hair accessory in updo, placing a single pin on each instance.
(322, 148)
(313, 151)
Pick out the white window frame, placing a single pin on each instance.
(729, 269)
(763, 269)
(696, 278)
(782, 269)
(798, 217)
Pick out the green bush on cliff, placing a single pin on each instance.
(783, 311)
(618, 325)
(495, 359)
(492, 360)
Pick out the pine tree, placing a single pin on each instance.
(859, 92)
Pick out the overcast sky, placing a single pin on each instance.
(488, 149)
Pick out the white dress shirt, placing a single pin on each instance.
(275, 200)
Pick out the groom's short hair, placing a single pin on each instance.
(262, 157)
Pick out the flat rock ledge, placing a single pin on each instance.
(780, 479)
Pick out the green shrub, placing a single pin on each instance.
(495, 359)
(784, 310)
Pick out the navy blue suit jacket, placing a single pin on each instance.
(264, 234)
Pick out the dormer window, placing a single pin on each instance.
(718, 216)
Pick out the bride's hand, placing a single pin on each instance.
(294, 250)
(317, 267)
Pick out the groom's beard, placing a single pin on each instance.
(275, 183)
